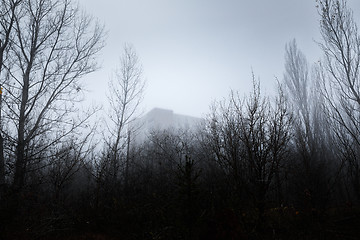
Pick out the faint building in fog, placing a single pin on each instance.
(161, 119)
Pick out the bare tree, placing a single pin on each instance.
(53, 46)
(126, 89)
(340, 77)
(265, 134)
(8, 11)
(312, 143)
(298, 85)
(249, 139)
(222, 136)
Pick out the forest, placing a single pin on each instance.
(282, 166)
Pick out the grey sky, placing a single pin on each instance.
(195, 51)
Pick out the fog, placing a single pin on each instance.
(194, 52)
(179, 120)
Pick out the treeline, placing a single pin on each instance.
(257, 167)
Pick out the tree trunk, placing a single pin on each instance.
(2, 158)
(20, 165)
(127, 162)
(19, 177)
(2, 166)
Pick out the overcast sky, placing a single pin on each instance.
(196, 51)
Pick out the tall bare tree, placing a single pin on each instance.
(54, 44)
(311, 136)
(341, 80)
(298, 86)
(126, 90)
(8, 11)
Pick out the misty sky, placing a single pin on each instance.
(196, 51)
